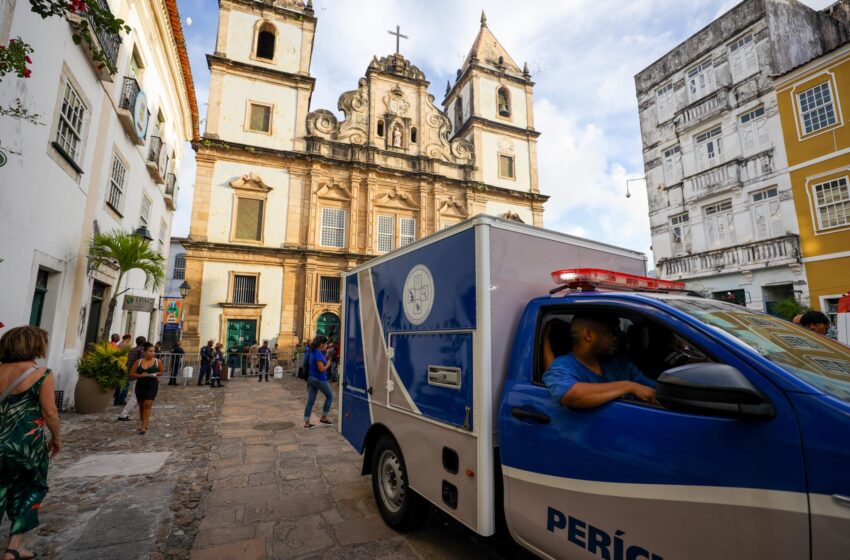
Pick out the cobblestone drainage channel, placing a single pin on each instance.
(274, 426)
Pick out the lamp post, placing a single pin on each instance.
(628, 194)
(184, 289)
(142, 231)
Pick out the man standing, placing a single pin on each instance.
(206, 363)
(264, 353)
(134, 355)
(177, 361)
(253, 357)
(114, 340)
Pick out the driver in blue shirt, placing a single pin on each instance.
(591, 375)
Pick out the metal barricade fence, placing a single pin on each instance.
(186, 368)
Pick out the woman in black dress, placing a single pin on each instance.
(145, 371)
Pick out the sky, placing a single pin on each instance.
(583, 55)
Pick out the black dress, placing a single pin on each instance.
(147, 387)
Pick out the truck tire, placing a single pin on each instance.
(401, 508)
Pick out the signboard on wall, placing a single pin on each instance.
(138, 303)
(172, 312)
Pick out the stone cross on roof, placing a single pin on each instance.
(398, 37)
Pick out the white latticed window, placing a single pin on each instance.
(832, 200)
(672, 165)
(145, 214)
(700, 80)
(329, 289)
(244, 289)
(709, 148)
(333, 227)
(69, 131)
(386, 233)
(816, 108)
(753, 129)
(680, 228)
(180, 267)
(767, 216)
(163, 235)
(117, 177)
(407, 231)
(665, 102)
(719, 222)
(742, 58)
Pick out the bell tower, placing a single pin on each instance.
(490, 105)
(260, 83)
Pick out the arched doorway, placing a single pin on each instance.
(328, 325)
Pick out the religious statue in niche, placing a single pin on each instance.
(397, 136)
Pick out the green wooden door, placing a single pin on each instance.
(241, 332)
(327, 325)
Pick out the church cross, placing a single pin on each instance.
(398, 37)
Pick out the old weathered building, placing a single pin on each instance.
(286, 199)
(720, 204)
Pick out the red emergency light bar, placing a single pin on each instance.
(590, 278)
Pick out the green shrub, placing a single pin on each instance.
(105, 364)
(788, 308)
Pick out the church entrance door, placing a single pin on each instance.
(241, 332)
(327, 325)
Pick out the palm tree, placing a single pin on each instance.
(125, 252)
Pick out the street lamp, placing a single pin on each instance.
(184, 289)
(628, 194)
(142, 231)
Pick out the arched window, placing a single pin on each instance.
(265, 41)
(380, 128)
(458, 113)
(413, 135)
(504, 101)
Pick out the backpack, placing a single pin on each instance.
(304, 369)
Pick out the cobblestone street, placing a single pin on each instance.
(226, 474)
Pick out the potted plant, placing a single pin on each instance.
(101, 369)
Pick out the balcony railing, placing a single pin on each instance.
(157, 160)
(702, 110)
(713, 180)
(129, 93)
(769, 252)
(133, 111)
(109, 43)
(171, 191)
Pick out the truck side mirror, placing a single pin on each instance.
(713, 389)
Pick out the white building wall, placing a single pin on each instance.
(492, 145)
(233, 119)
(223, 198)
(241, 39)
(49, 209)
(216, 285)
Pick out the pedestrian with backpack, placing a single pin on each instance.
(317, 380)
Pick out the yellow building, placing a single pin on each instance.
(813, 99)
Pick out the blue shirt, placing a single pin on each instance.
(566, 371)
(316, 356)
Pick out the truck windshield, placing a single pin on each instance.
(816, 359)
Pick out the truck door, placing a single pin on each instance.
(628, 480)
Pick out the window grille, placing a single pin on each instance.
(244, 289)
(386, 233)
(329, 289)
(333, 227)
(71, 116)
(117, 177)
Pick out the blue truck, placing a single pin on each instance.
(745, 454)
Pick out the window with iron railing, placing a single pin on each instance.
(407, 231)
(180, 267)
(329, 289)
(244, 289)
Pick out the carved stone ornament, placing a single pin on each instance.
(396, 103)
(355, 105)
(512, 216)
(322, 123)
(333, 191)
(397, 65)
(291, 4)
(452, 207)
(395, 199)
(505, 145)
(251, 182)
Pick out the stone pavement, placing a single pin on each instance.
(280, 491)
(116, 494)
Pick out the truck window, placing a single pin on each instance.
(813, 358)
(649, 345)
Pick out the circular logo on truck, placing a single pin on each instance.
(418, 294)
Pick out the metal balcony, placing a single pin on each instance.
(702, 110)
(109, 43)
(171, 189)
(127, 109)
(777, 251)
(157, 160)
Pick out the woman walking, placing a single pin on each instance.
(318, 380)
(26, 405)
(145, 371)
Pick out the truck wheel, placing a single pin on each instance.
(400, 507)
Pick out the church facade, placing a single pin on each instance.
(286, 199)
